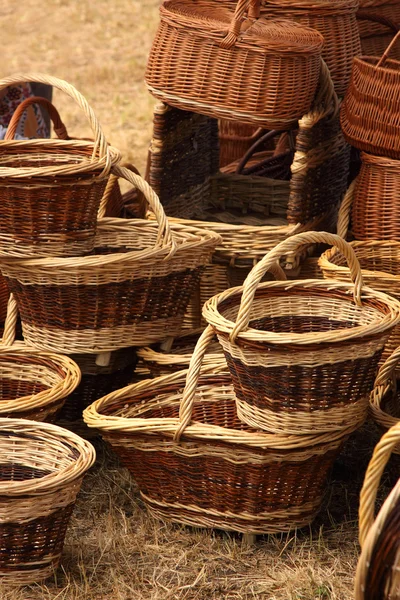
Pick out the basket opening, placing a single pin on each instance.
(17, 472)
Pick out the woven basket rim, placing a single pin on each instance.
(165, 384)
(221, 324)
(374, 159)
(328, 7)
(80, 451)
(370, 63)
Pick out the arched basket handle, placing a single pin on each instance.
(54, 115)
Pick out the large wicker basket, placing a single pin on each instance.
(379, 260)
(196, 463)
(216, 62)
(377, 574)
(292, 347)
(50, 189)
(369, 121)
(133, 291)
(41, 470)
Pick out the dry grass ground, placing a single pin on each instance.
(114, 550)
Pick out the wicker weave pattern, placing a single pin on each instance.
(50, 190)
(265, 331)
(41, 469)
(262, 73)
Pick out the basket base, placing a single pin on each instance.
(276, 521)
(30, 575)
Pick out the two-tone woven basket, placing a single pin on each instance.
(378, 568)
(293, 347)
(133, 290)
(50, 189)
(196, 463)
(41, 470)
(231, 65)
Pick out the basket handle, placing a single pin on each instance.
(385, 55)
(58, 125)
(252, 7)
(373, 475)
(290, 245)
(164, 237)
(365, 15)
(101, 149)
(10, 325)
(111, 183)
(386, 374)
(254, 147)
(192, 377)
(345, 209)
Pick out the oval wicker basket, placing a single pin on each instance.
(41, 470)
(369, 121)
(196, 463)
(377, 574)
(217, 63)
(292, 347)
(384, 399)
(50, 190)
(379, 261)
(133, 291)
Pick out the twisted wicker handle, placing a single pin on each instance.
(252, 7)
(10, 325)
(290, 245)
(379, 459)
(58, 125)
(111, 183)
(344, 211)
(100, 143)
(386, 374)
(385, 55)
(164, 237)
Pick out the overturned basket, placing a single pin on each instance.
(377, 574)
(292, 347)
(196, 463)
(132, 291)
(41, 470)
(379, 261)
(50, 189)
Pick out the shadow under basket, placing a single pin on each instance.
(220, 473)
(41, 470)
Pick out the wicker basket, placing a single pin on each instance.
(369, 121)
(41, 471)
(50, 190)
(379, 260)
(216, 63)
(378, 566)
(384, 399)
(162, 361)
(234, 139)
(378, 21)
(293, 347)
(375, 211)
(133, 291)
(196, 463)
(33, 384)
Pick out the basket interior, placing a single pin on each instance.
(25, 376)
(48, 155)
(305, 310)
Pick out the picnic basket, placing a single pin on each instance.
(196, 463)
(377, 575)
(50, 189)
(369, 121)
(41, 470)
(33, 384)
(379, 260)
(384, 398)
(132, 291)
(221, 64)
(292, 347)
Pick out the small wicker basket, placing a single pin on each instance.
(41, 470)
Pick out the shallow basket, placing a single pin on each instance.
(218, 63)
(293, 347)
(369, 122)
(133, 291)
(196, 463)
(41, 470)
(378, 566)
(50, 189)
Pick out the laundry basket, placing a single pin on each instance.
(196, 463)
(292, 347)
(41, 470)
